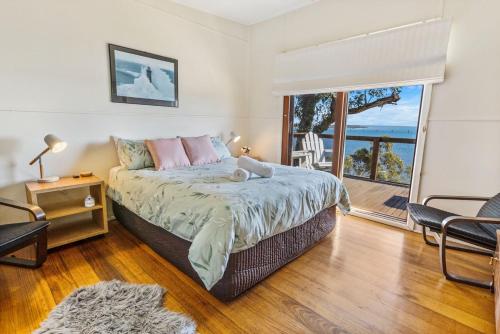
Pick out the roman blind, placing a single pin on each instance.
(412, 54)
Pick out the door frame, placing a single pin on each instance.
(338, 135)
(339, 149)
(418, 160)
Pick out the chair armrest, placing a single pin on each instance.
(36, 211)
(452, 197)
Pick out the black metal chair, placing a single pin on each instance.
(479, 231)
(19, 235)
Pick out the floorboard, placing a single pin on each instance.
(363, 278)
(378, 197)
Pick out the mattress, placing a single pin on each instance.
(201, 204)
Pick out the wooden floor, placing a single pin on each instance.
(363, 278)
(378, 197)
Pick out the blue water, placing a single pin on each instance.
(405, 151)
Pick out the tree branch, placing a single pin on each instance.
(393, 99)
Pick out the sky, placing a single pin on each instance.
(404, 113)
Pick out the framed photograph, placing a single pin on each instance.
(143, 78)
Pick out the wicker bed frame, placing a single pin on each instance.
(245, 268)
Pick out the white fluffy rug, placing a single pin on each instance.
(116, 307)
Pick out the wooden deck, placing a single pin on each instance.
(378, 197)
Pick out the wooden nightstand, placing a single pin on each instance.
(62, 202)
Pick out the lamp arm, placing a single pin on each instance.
(39, 156)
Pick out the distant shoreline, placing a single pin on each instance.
(355, 126)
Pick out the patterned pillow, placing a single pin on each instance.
(220, 148)
(134, 154)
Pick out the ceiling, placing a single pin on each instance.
(246, 12)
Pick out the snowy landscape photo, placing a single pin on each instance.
(142, 78)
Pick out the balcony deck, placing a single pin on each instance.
(378, 197)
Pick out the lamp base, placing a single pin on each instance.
(48, 179)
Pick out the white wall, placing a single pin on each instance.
(54, 78)
(462, 154)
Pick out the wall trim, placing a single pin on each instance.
(120, 113)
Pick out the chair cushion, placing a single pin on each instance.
(10, 234)
(433, 218)
(474, 233)
(428, 216)
(491, 209)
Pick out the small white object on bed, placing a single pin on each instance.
(240, 175)
(255, 166)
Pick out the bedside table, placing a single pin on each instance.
(63, 204)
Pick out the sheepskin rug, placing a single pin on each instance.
(116, 307)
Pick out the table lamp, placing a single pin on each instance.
(55, 145)
(233, 138)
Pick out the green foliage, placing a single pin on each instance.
(408, 172)
(360, 98)
(361, 162)
(313, 112)
(390, 166)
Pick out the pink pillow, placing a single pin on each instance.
(167, 153)
(200, 150)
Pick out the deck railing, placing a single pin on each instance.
(374, 152)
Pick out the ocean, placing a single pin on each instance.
(405, 151)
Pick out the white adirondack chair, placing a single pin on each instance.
(311, 142)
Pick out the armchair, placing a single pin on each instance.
(479, 231)
(19, 235)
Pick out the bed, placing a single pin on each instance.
(227, 235)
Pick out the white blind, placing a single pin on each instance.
(413, 54)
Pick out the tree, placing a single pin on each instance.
(390, 166)
(361, 162)
(316, 112)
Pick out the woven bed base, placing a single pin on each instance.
(245, 268)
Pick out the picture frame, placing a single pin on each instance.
(145, 78)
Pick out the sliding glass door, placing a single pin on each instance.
(368, 137)
(380, 139)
